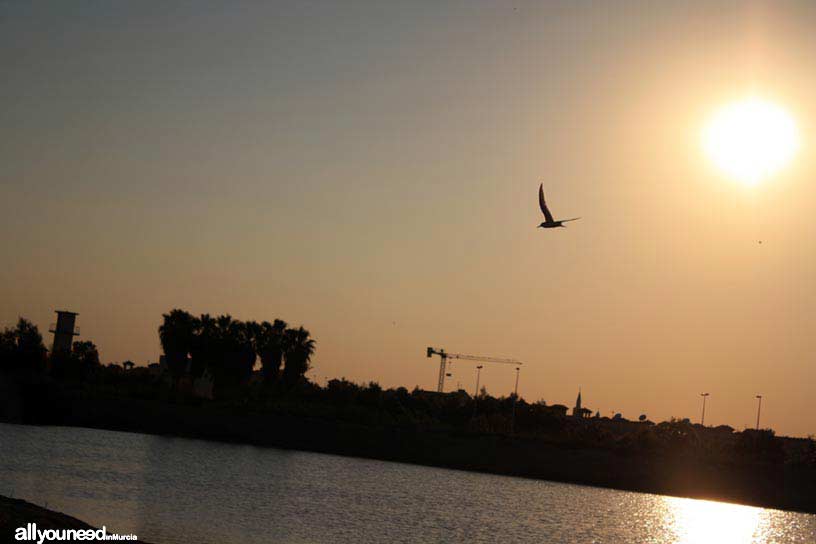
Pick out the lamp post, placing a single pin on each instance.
(759, 409)
(515, 398)
(702, 418)
(476, 395)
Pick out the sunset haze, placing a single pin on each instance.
(370, 171)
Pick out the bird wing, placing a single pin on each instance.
(543, 204)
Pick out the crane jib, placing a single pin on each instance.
(444, 356)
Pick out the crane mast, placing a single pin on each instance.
(443, 362)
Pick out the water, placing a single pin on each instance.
(172, 490)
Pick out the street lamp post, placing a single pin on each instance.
(759, 409)
(515, 398)
(476, 395)
(702, 418)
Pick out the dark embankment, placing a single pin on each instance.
(446, 430)
(773, 485)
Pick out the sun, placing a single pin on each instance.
(751, 139)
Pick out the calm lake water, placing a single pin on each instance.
(173, 490)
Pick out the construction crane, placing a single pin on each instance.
(444, 356)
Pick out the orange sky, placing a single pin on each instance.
(371, 172)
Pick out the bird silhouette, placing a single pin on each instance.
(550, 223)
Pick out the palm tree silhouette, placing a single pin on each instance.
(228, 348)
(269, 339)
(176, 336)
(298, 350)
(203, 345)
(224, 342)
(240, 350)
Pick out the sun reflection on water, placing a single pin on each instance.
(709, 522)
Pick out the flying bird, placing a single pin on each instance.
(550, 223)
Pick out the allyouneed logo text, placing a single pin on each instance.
(32, 534)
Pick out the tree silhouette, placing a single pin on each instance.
(86, 353)
(176, 337)
(21, 348)
(269, 339)
(203, 345)
(298, 351)
(228, 348)
(80, 364)
(223, 347)
(240, 353)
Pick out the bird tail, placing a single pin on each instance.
(573, 219)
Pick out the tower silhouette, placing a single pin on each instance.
(64, 331)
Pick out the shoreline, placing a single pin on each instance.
(779, 487)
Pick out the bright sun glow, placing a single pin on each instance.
(751, 139)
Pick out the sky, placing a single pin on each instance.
(369, 170)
